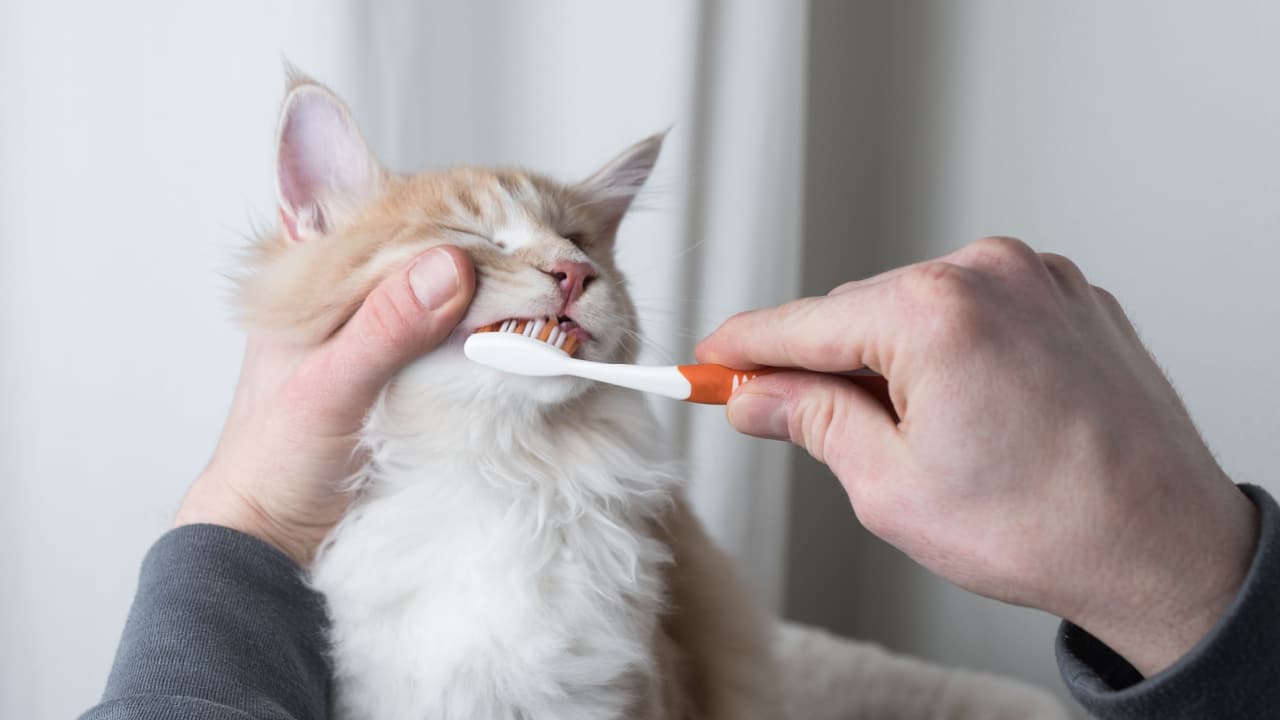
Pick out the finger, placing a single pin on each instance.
(873, 280)
(825, 334)
(840, 423)
(405, 317)
(862, 326)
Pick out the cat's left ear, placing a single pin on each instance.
(323, 165)
(614, 186)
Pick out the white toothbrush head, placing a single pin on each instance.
(505, 347)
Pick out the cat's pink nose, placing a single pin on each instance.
(573, 278)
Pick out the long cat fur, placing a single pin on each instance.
(516, 548)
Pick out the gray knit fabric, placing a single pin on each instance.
(222, 627)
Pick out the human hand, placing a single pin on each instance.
(1042, 458)
(290, 441)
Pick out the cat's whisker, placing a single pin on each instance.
(664, 354)
(700, 314)
(671, 298)
(668, 260)
(710, 319)
(680, 332)
(719, 311)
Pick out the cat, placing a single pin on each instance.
(516, 548)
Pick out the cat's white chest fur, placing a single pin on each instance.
(523, 582)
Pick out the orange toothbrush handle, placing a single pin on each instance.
(713, 384)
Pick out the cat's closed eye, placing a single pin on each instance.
(576, 238)
(475, 233)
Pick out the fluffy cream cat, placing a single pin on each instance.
(518, 548)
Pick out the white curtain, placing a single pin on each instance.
(136, 145)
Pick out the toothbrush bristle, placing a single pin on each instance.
(546, 330)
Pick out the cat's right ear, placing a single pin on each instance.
(613, 187)
(323, 164)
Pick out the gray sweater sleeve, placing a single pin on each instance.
(1234, 671)
(223, 627)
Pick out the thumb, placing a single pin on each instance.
(405, 317)
(841, 423)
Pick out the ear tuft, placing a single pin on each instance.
(322, 161)
(294, 76)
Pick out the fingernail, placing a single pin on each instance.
(434, 278)
(759, 415)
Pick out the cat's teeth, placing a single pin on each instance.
(548, 329)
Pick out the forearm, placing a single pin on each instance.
(1231, 672)
(222, 627)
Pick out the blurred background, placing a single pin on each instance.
(812, 143)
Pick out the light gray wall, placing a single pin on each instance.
(1141, 139)
(136, 146)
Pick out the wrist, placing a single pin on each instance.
(1169, 589)
(212, 502)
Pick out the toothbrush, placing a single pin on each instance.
(544, 348)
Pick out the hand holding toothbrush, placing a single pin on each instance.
(1039, 456)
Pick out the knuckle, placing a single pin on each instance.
(1004, 246)
(819, 420)
(741, 323)
(815, 420)
(936, 279)
(1106, 298)
(740, 317)
(1000, 254)
(1060, 262)
(1063, 269)
(948, 302)
(844, 287)
(939, 286)
(386, 322)
(798, 309)
(830, 340)
(808, 312)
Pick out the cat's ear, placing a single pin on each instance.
(323, 164)
(613, 187)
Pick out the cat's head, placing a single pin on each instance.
(540, 247)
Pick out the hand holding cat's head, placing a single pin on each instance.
(540, 247)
